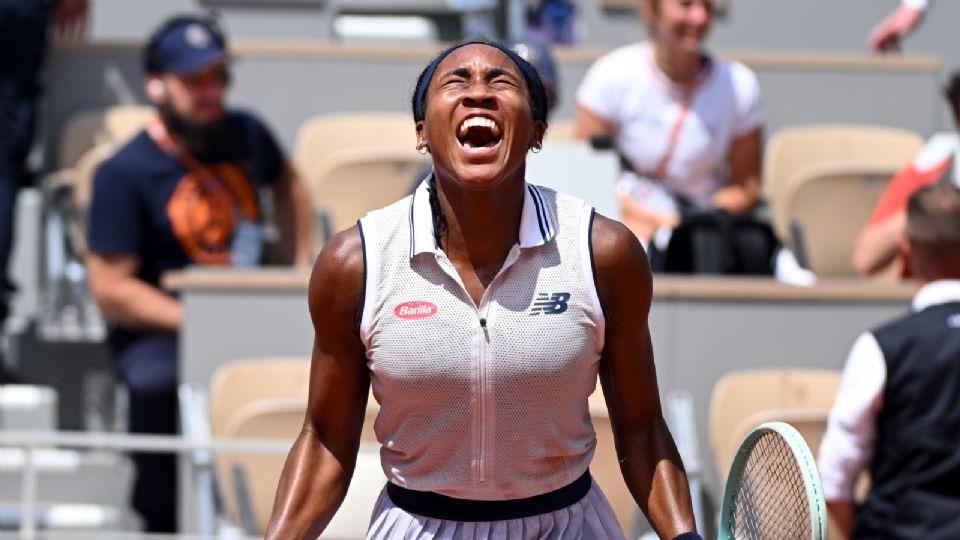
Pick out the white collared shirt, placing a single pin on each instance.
(484, 400)
(848, 443)
(627, 89)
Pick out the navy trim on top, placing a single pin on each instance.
(363, 289)
(551, 228)
(593, 263)
(413, 238)
(540, 211)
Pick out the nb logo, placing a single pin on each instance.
(550, 304)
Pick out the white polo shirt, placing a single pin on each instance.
(627, 89)
(488, 401)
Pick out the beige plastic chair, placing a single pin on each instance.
(748, 396)
(243, 382)
(354, 182)
(258, 398)
(323, 136)
(70, 190)
(827, 204)
(86, 129)
(791, 149)
(267, 399)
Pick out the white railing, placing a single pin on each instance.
(31, 441)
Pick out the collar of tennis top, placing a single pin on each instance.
(536, 223)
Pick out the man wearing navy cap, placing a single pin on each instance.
(188, 190)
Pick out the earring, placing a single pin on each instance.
(422, 149)
(536, 148)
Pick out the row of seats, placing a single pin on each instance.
(266, 398)
(821, 181)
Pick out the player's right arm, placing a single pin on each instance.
(321, 463)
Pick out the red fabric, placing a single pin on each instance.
(895, 197)
(908, 180)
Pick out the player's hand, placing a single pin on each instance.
(69, 20)
(886, 36)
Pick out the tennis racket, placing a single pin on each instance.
(773, 490)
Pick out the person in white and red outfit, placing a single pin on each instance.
(876, 246)
(688, 124)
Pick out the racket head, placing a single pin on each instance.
(773, 489)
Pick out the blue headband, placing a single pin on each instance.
(538, 93)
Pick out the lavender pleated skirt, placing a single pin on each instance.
(590, 518)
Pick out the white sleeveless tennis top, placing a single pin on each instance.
(485, 402)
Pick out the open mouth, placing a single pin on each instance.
(477, 133)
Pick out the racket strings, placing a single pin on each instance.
(771, 501)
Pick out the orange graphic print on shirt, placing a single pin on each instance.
(204, 210)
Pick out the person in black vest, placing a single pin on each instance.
(898, 407)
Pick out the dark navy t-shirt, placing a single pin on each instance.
(149, 204)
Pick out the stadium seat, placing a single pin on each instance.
(67, 312)
(89, 128)
(356, 181)
(755, 395)
(266, 399)
(322, 136)
(793, 148)
(824, 206)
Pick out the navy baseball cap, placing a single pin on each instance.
(186, 46)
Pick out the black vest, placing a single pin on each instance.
(915, 473)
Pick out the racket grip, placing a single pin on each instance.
(688, 536)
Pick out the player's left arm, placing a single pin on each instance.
(649, 460)
(293, 214)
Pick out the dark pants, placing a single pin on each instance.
(148, 366)
(23, 33)
(23, 37)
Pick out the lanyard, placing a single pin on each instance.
(688, 91)
(209, 182)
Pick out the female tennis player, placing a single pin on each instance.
(482, 309)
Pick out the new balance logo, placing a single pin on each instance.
(550, 304)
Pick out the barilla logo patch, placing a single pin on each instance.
(415, 310)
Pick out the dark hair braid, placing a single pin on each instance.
(440, 227)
